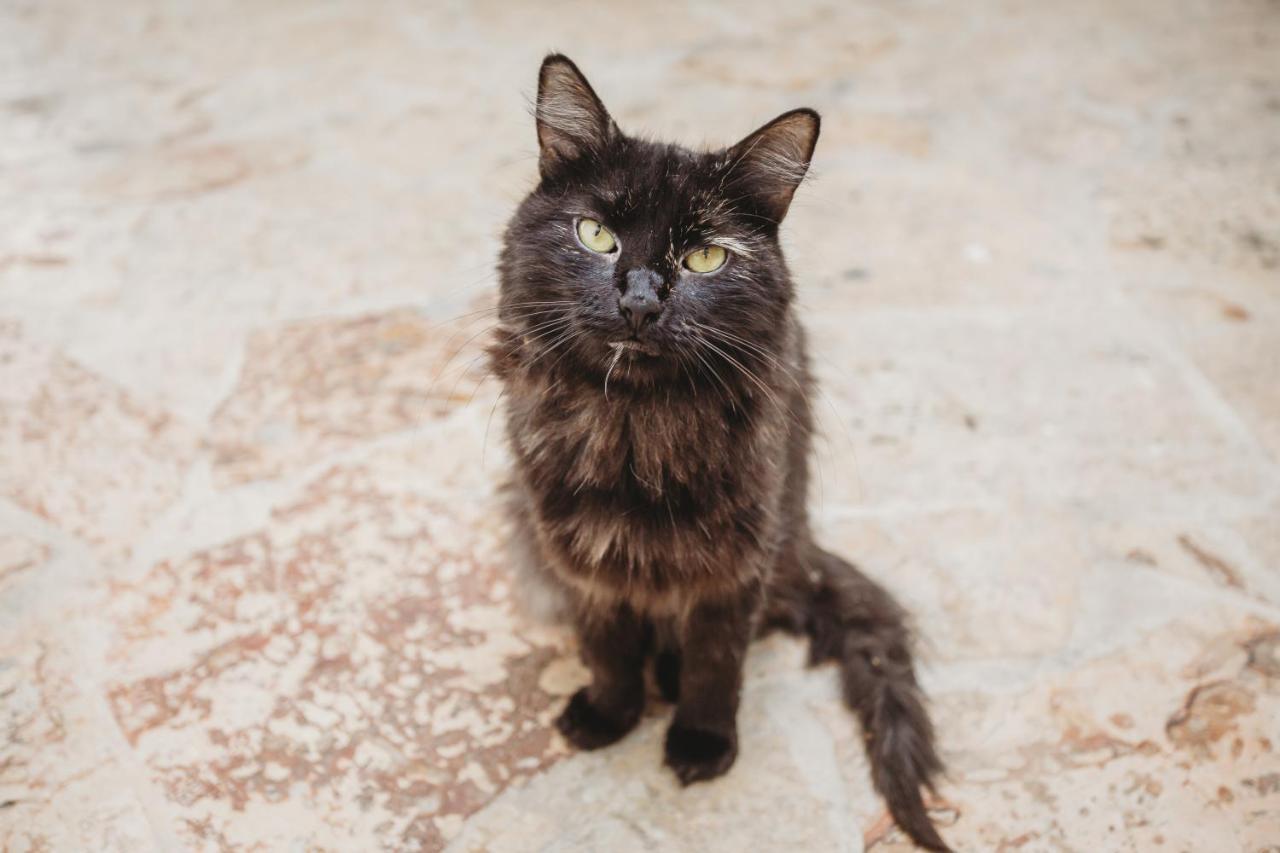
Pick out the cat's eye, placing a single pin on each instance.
(596, 237)
(706, 259)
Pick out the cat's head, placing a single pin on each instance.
(644, 252)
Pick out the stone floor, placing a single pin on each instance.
(252, 586)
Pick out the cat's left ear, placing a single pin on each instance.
(572, 121)
(771, 162)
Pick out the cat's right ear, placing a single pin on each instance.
(572, 122)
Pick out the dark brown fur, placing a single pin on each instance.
(662, 486)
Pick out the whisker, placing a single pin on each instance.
(484, 445)
(553, 364)
(746, 372)
(748, 348)
(810, 386)
(449, 361)
(464, 321)
(769, 394)
(728, 395)
(525, 316)
(617, 356)
(684, 368)
(567, 336)
(492, 308)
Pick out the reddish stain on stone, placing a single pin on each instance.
(1208, 714)
(370, 641)
(1235, 312)
(1122, 720)
(1222, 571)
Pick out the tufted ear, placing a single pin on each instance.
(572, 122)
(771, 162)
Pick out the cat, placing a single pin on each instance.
(657, 400)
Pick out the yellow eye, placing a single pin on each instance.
(706, 259)
(596, 237)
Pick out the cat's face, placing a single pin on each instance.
(650, 254)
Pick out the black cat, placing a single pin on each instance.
(658, 408)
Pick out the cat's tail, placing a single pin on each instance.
(854, 621)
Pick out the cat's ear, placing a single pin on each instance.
(771, 162)
(572, 122)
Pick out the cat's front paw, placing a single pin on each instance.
(696, 755)
(588, 727)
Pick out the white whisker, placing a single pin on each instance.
(617, 356)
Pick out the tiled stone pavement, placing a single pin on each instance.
(252, 585)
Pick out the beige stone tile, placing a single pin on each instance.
(1236, 555)
(1025, 587)
(1228, 324)
(981, 585)
(81, 452)
(19, 555)
(1166, 742)
(312, 389)
(848, 228)
(1108, 700)
(175, 323)
(63, 782)
(976, 407)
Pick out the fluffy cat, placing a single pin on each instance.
(657, 401)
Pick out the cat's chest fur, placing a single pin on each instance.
(643, 494)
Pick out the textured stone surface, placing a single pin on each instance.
(80, 451)
(252, 589)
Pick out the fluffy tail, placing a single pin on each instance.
(856, 622)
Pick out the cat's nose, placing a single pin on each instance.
(640, 304)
